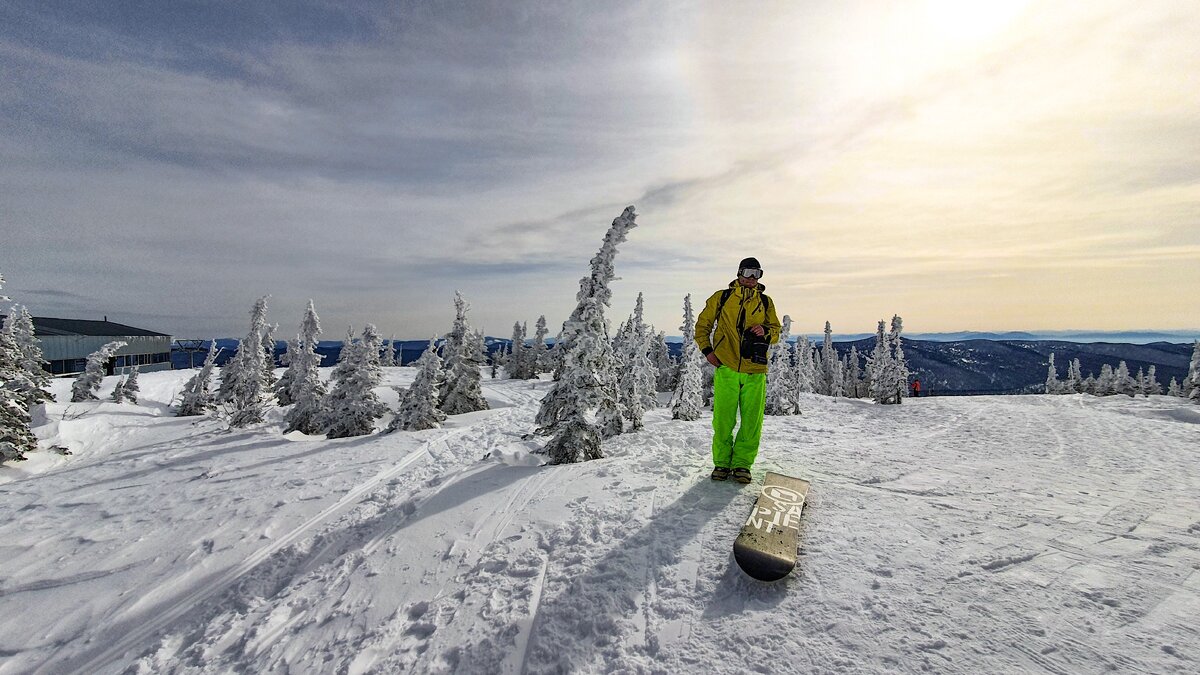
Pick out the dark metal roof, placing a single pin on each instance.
(44, 326)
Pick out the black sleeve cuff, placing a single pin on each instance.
(706, 351)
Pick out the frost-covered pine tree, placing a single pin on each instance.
(351, 407)
(541, 351)
(306, 391)
(242, 378)
(1053, 385)
(389, 354)
(16, 437)
(1106, 383)
(197, 397)
(1074, 383)
(1123, 382)
(131, 388)
(781, 398)
(853, 373)
(803, 362)
(118, 395)
(1193, 377)
(880, 369)
(519, 363)
(419, 403)
(688, 399)
(1152, 387)
(638, 376)
(899, 363)
(586, 381)
(1173, 389)
(35, 384)
(829, 364)
(283, 388)
(268, 345)
(464, 353)
(664, 364)
(88, 383)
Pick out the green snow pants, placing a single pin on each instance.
(734, 391)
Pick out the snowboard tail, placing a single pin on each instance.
(766, 547)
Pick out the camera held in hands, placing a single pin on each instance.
(754, 347)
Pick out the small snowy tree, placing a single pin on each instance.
(1151, 386)
(197, 396)
(419, 403)
(1074, 378)
(1123, 382)
(243, 377)
(519, 364)
(1106, 383)
(586, 381)
(829, 364)
(283, 388)
(1173, 389)
(803, 362)
(462, 391)
(390, 357)
(541, 351)
(1193, 376)
(899, 363)
(781, 399)
(268, 345)
(130, 388)
(1053, 385)
(35, 381)
(118, 395)
(306, 391)
(664, 364)
(88, 383)
(351, 407)
(880, 369)
(688, 399)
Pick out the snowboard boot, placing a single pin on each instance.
(741, 475)
(720, 473)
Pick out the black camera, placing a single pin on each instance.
(754, 347)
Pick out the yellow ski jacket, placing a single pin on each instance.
(744, 307)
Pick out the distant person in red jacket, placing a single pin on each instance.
(916, 388)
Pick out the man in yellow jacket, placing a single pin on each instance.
(734, 331)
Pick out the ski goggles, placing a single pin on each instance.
(751, 273)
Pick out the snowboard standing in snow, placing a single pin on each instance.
(766, 547)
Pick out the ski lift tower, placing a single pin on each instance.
(191, 347)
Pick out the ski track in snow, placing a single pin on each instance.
(1050, 534)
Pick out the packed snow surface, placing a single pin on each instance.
(987, 534)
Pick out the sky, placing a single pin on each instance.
(969, 166)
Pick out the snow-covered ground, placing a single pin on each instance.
(987, 534)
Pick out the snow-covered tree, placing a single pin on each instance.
(638, 379)
(520, 363)
(268, 345)
(243, 378)
(16, 437)
(1106, 383)
(586, 379)
(419, 403)
(1193, 376)
(664, 364)
(1074, 383)
(899, 363)
(118, 395)
(1151, 386)
(306, 392)
(464, 353)
(781, 397)
(283, 388)
(197, 397)
(802, 361)
(390, 356)
(1123, 383)
(688, 399)
(541, 351)
(880, 369)
(34, 385)
(130, 388)
(1053, 385)
(852, 371)
(351, 406)
(88, 383)
(1173, 389)
(829, 364)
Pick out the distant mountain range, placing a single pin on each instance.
(980, 365)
